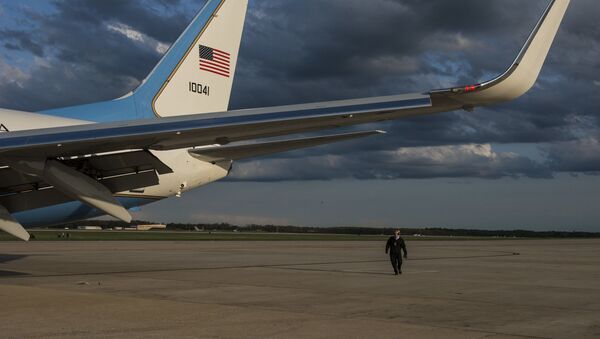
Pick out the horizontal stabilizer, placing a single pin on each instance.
(9, 225)
(217, 154)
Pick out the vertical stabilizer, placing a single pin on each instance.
(196, 74)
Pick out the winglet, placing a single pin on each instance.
(523, 73)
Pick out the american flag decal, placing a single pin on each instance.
(215, 61)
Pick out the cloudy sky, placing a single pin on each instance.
(531, 164)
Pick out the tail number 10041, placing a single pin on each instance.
(199, 89)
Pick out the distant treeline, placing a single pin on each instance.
(446, 232)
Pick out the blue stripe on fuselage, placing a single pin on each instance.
(106, 111)
(70, 212)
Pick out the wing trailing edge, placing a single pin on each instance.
(238, 152)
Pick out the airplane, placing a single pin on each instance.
(174, 132)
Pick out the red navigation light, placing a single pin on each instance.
(471, 88)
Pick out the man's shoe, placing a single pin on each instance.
(400, 272)
(395, 273)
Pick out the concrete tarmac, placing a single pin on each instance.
(466, 289)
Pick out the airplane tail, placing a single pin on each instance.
(196, 74)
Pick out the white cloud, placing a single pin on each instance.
(452, 42)
(455, 161)
(448, 155)
(41, 62)
(126, 31)
(444, 153)
(393, 64)
(12, 74)
(138, 37)
(162, 48)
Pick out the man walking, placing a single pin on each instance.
(395, 245)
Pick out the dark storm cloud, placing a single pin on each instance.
(20, 40)
(381, 47)
(415, 163)
(159, 19)
(85, 58)
(579, 156)
(298, 51)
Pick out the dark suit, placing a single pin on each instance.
(395, 247)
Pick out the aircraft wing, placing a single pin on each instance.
(209, 129)
(234, 126)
